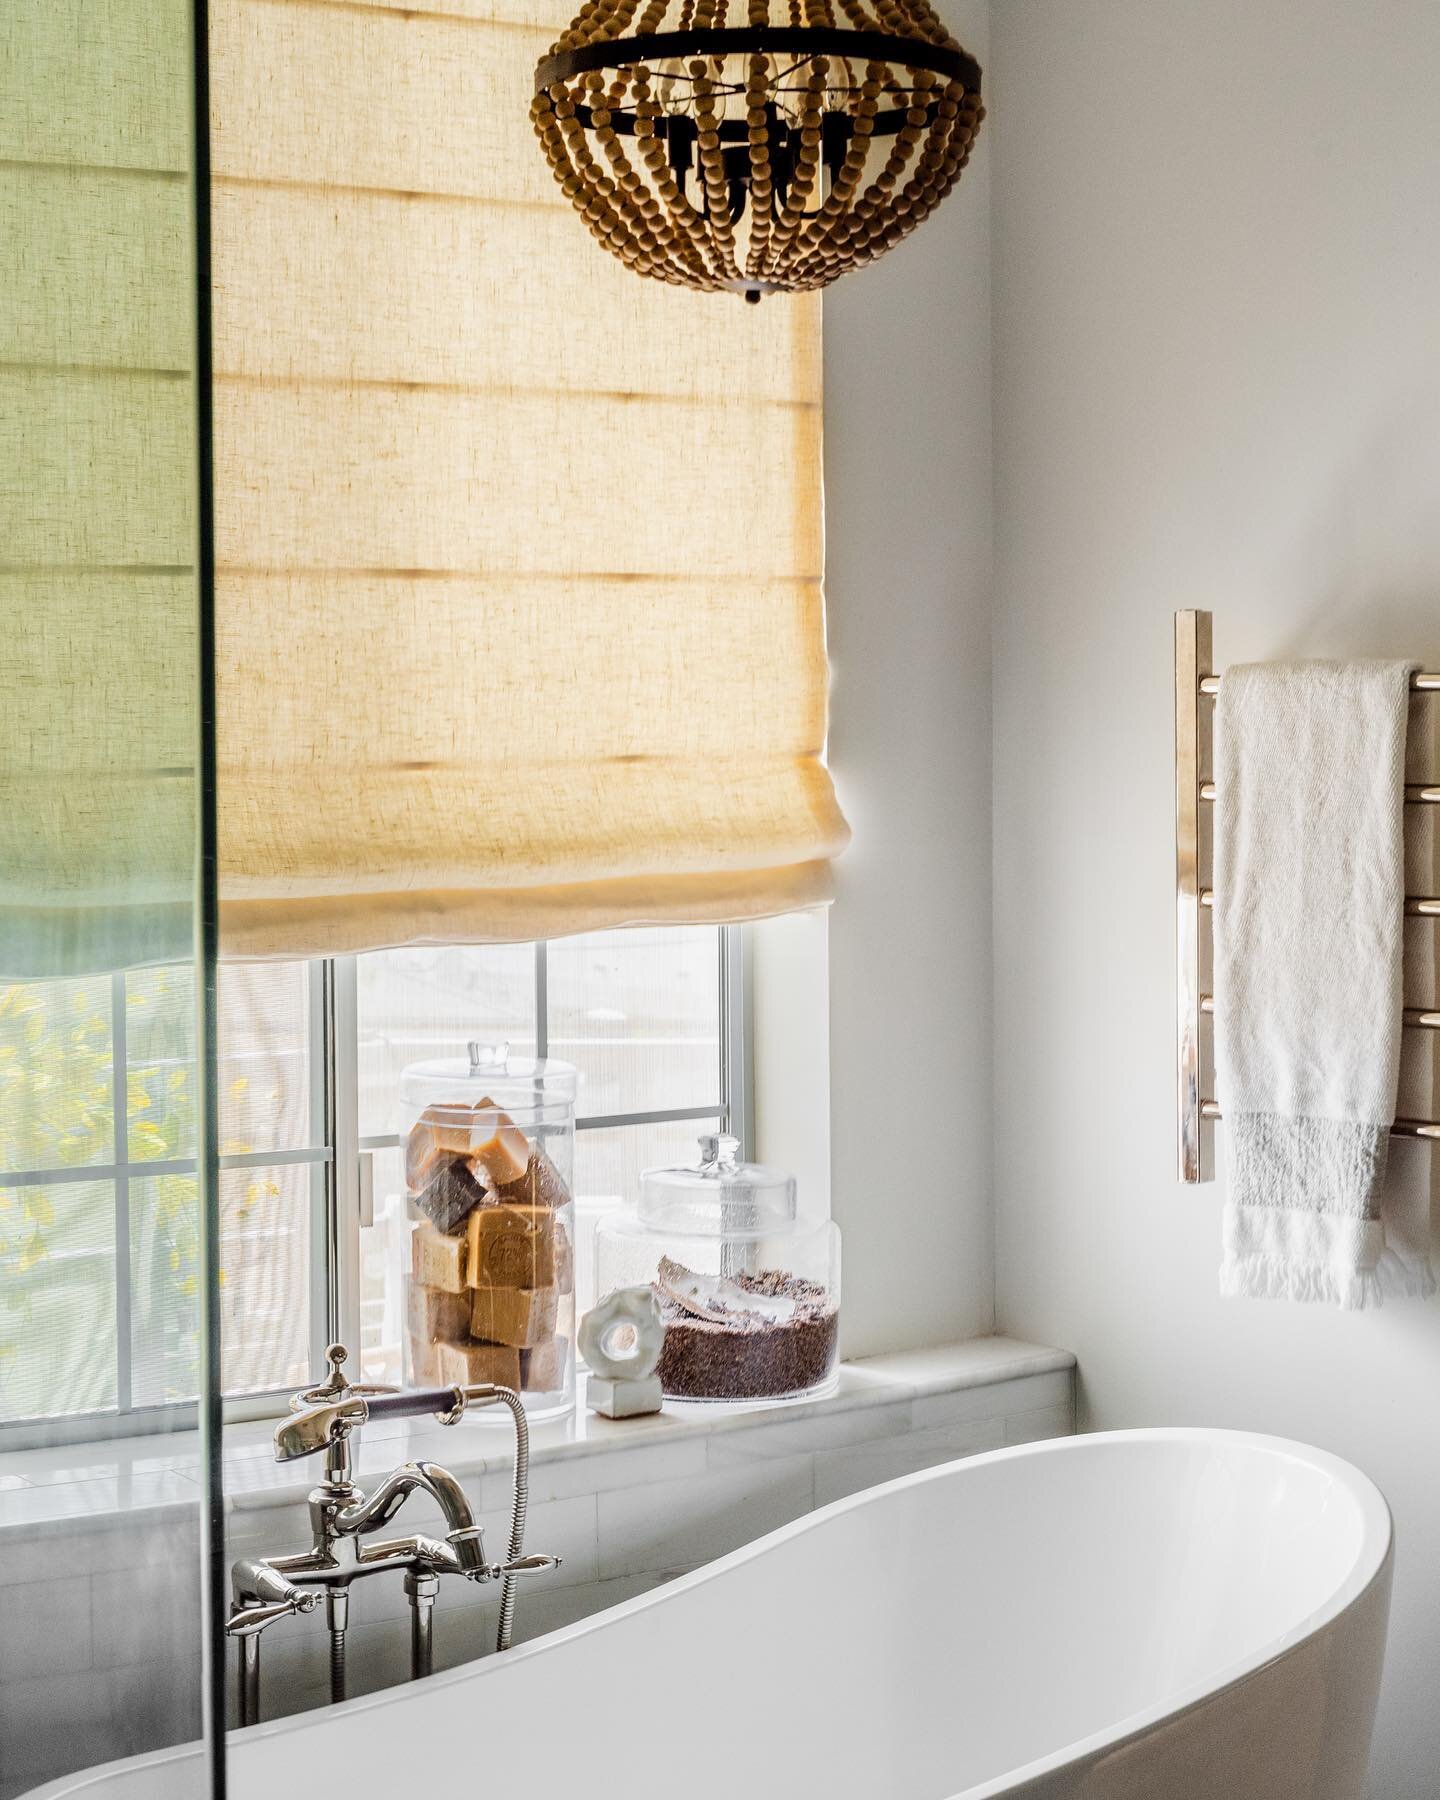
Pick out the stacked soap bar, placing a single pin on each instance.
(492, 1274)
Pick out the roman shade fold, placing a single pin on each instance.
(519, 613)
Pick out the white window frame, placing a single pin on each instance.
(342, 1161)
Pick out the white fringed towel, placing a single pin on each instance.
(1309, 930)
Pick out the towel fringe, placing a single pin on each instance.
(1270, 1278)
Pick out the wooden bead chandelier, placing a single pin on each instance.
(758, 158)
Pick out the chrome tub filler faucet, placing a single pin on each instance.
(343, 1519)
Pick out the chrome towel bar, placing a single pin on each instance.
(1426, 682)
(1417, 906)
(1415, 794)
(1414, 1018)
(1422, 1129)
(1196, 682)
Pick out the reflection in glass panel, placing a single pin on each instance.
(639, 1013)
(57, 1299)
(164, 1288)
(56, 1102)
(99, 728)
(67, 1047)
(159, 1063)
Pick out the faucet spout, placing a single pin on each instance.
(463, 1535)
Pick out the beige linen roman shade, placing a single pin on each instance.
(519, 606)
(99, 701)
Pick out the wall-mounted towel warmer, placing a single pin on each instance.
(1196, 684)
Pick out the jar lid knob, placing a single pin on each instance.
(719, 1151)
(487, 1056)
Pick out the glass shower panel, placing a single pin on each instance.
(102, 1468)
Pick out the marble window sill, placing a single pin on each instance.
(884, 1397)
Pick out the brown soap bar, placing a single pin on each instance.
(542, 1370)
(440, 1132)
(437, 1261)
(537, 1184)
(508, 1315)
(452, 1194)
(436, 1314)
(434, 1317)
(499, 1149)
(464, 1363)
(512, 1246)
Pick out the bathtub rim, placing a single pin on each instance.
(1372, 1563)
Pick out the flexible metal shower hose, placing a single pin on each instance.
(517, 1513)
(337, 1666)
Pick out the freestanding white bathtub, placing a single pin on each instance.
(1153, 1615)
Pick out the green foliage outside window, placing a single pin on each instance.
(57, 1239)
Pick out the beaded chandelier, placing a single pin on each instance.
(758, 158)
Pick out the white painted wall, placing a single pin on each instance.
(789, 989)
(1217, 335)
(907, 524)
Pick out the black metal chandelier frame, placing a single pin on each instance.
(804, 44)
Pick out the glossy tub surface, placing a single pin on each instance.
(1130, 1614)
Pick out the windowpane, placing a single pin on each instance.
(56, 1099)
(264, 1060)
(607, 1176)
(265, 1064)
(164, 1287)
(57, 1299)
(265, 1217)
(160, 1063)
(264, 1281)
(419, 1002)
(608, 1163)
(639, 1012)
(384, 1263)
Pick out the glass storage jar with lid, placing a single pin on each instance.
(489, 1146)
(750, 1292)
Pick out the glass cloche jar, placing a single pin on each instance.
(750, 1293)
(490, 1276)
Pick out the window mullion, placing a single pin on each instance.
(736, 1040)
(542, 998)
(120, 1090)
(336, 1310)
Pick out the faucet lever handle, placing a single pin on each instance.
(245, 1621)
(535, 1564)
(318, 1428)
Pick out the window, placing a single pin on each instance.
(97, 1148)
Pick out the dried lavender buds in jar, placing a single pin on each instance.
(747, 1337)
